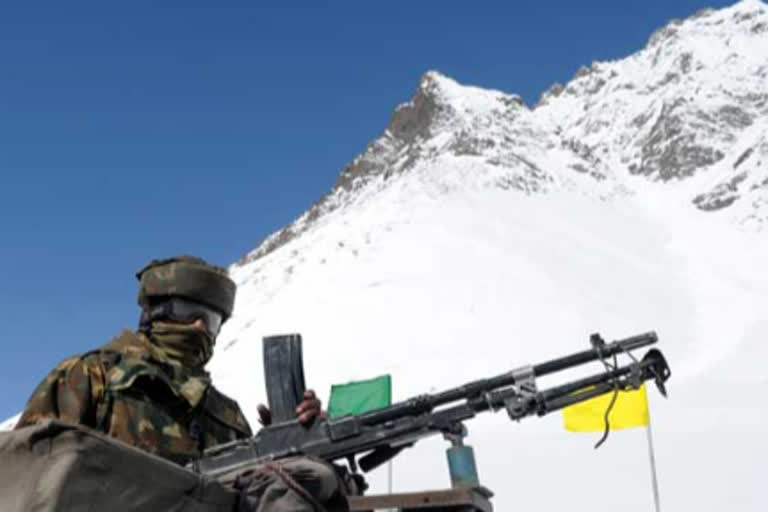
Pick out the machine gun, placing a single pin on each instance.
(370, 439)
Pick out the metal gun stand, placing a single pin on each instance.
(465, 495)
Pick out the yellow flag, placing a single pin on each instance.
(630, 410)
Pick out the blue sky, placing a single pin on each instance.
(130, 131)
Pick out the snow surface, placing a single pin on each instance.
(9, 423)
(442, 290)
(472, 247)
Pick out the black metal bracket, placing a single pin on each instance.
(518, 405)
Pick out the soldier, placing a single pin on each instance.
(149, 388)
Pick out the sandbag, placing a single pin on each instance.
(56, 467)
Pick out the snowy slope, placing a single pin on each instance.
(474, 284)
(476, 235)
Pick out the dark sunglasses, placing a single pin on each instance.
(186, 311)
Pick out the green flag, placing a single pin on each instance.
(360, 396)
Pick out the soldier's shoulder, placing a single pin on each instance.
(127, 343)
(125, 358)
(80, 363)
(124, 349)
(102, 357)
(227, 411)
(70, 362)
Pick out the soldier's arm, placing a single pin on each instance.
(70, 392)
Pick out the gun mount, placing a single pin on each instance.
(370, 439)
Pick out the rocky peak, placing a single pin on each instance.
(442, 117)
(440, 105)
(416, 118)
(441, 101)
(689, 108)
(678, 109)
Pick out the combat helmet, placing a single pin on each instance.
(189, 278)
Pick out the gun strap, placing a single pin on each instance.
(294, 485)
(243, 481)
(615, 396)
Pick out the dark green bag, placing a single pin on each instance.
(57, 467)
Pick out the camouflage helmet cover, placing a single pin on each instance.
(190, 278)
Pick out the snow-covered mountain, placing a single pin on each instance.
(689, 108)
(689, 111)
(476, 235)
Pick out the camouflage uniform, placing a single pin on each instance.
(149, 390)
(128, 390)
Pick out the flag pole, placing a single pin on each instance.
(653, 467)
(389, 463)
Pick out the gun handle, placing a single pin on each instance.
(283, 375)
(379, 456)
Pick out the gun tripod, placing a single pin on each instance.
(465, 495)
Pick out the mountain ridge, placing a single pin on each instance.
(686, 110)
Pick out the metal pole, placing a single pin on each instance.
(389, 481)
(653, 467)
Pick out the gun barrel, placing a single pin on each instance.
(427, 403)
(593, 354)
(384, 432)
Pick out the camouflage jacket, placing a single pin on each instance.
(129, 391)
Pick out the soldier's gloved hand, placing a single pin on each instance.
(310, 408)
